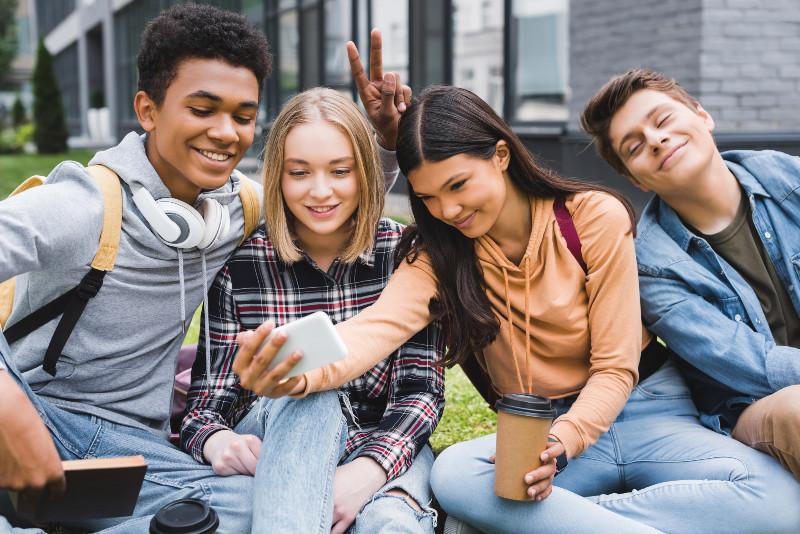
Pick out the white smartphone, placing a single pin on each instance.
(312, 335)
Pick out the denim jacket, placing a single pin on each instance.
(705, 311)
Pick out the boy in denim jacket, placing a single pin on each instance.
(718, 249)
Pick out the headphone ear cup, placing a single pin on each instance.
(188, 220)
(217, 222)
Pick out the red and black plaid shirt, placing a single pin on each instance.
(397, 404)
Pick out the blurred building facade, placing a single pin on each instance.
(17, 82)
(535, 61)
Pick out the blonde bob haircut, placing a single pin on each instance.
(321, 103)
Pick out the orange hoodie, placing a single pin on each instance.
(569, 332)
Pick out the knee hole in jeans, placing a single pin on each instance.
(406, 497)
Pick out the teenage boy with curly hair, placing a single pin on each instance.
(718, 249)
(201, 72)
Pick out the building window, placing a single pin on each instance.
(310, 43)
(288, 55)
(129, 23)
(478, 49)
(254, 12)
(539, 60)
(65, 66)
(49, 14)
(391, 17)
(338, 30)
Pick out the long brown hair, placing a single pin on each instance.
(443, 122)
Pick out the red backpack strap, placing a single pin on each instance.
(569, 232)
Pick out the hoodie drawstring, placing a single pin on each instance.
(183, 291)
(205, 315)
(511, 332)
(205, 305)
(525, 271)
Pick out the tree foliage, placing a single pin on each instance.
(8, 35)
(50, 133)
(18, 113)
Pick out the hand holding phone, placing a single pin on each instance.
(266, 367)
(314, 337)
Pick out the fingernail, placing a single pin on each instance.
(529, 479)
(532, 492)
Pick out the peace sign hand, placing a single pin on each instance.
(384, 97)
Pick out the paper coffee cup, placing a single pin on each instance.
(186, 516)
(523, 423)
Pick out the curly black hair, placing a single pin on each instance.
(187, 31)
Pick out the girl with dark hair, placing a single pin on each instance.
(534, 279)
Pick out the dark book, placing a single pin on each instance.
(96, 488)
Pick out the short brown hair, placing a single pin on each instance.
(597, 115)
(321, 103)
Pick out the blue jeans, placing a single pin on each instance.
(171, 474)
(656, 468)
(303, 443)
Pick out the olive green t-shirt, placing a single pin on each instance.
(741, 246)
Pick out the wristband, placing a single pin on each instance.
(561, 459)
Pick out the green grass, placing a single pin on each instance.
(466, 414)
(15, 168)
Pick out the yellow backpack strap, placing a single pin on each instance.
(8, 286)
(250, 206)
(6, 300)
(30, 183)
(108, 182)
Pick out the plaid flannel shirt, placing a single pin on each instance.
(395, 406)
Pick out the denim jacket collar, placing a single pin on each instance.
(659, 212)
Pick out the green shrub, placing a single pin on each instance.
(18, 114)
(8, 142)
(97, 99)
(50, 134)
(12, 140)
(24, 134)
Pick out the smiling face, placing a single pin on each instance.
(665, 145)
(319, 181)
(203, 127)
(464, 191)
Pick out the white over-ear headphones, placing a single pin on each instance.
(179, 225)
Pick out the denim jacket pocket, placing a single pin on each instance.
(733, 308)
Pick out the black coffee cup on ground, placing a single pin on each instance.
(186, 516)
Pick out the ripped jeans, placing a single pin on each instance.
(303, 442)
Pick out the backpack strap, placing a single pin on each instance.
(71, 304)
(567, 226)
(30, 183)
(7, 287)
(109, 185)
(250, 206)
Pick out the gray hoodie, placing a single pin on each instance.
(120, 360)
